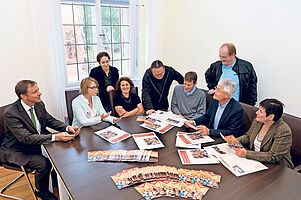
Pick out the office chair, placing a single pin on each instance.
(11, 166)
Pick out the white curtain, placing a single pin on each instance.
(47, 25)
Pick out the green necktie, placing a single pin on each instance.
(33, 119)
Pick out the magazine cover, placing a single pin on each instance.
(157, 127)
(182, 141)
(237, 165)
(113, 134)
(168, 118)
(147, 141)
(197, 138)
(196, 156)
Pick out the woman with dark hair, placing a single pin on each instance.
(106, 76)
(127, 103)
(269, 137)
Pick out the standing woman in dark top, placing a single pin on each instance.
(106, 76)
(127, 103)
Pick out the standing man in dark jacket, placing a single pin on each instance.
(155, 86)
(240, 71)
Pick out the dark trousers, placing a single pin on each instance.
(43, 168)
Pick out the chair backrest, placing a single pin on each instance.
(112, 95)
(294, 123)
(208, 98)
(70, 95)
(2, 133)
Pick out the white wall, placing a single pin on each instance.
(267, 33)
(17, 52)
(30, 49)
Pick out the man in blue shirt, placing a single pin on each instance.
(224, 115)
(240, 71)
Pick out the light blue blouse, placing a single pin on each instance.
(82, 111)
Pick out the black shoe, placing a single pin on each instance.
(46, 195)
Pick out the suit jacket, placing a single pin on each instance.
(22, 139)
(231, 121)
(275, 146)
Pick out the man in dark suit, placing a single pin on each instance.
(224, 115)
(25, 123)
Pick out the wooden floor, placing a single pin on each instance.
(19, 189)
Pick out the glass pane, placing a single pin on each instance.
(90, 15)
(70, 54)
(68, 35)
(81, 53)
(125, 34)
(116, 34)
(67, 17)
(117, 64)
(79, 14)
(83, 70)
(125, 16)
(115, 16)
(92, 53)
(105, 16)
(126, 51)
(72, 73)
(80, 35)
(126, 67)
(106, 30)
(91, 34)
(108, 49)
(116, 52)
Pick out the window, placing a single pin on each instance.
(116, 35)
(81, 36)
(80, 39)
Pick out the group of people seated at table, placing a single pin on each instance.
(231, 80)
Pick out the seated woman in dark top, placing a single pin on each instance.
(269, 138)
(127, 103)
(106, 76)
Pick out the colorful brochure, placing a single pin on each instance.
(196, 156)
(157, 127)
(237, 165)
(147, 141)
(182, 141)
(168, 118)
(123, 155)
(231, 140)
(113, 134)
(168, 188)
(197, 138)
(167, 173)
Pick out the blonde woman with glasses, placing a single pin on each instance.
(87, 107)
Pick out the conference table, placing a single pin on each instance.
(92, 181)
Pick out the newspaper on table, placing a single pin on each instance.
(113, 134)
(237, 165)
(168, 118)
(157, 126)
(123, 155)
(196, 156)
(181, 141)
(147, 141)
(196, 137)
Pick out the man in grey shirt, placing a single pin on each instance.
(188, 100)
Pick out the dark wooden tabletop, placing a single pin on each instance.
(92, 181)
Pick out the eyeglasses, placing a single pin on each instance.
(93, 88)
